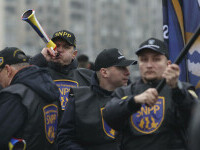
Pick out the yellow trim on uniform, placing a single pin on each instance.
(103, 125)
(2, 60)
(193, 93)
(125, 97)
(67, 80)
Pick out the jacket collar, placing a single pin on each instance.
(95, 86)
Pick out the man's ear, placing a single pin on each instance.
(104, 72)
(169, 62)
(9, 70)
(74, 54)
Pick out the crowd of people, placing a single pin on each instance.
(55, 101)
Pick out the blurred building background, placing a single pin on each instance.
(97, 24)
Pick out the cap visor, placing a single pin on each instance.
(125, 63)
(148, 47)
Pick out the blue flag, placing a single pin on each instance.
(181, 18)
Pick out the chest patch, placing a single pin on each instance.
(64, 87)
(51, 121)
(149, 119)
(108, 130)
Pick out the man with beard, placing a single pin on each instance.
(62, 64)
(147, 119)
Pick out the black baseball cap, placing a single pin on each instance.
(155, 45)
(12, 55)
(111, 57)
(65, 35)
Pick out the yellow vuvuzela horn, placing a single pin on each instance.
(29, 16)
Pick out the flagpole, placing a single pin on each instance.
(180, 57)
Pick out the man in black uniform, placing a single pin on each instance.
(29, 102)
(149, 120)
(62, 64)
(82, 125)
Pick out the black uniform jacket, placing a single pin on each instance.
(194, 131)
(25, 108)
(65, 77)
(82, 125)
(147, 128)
